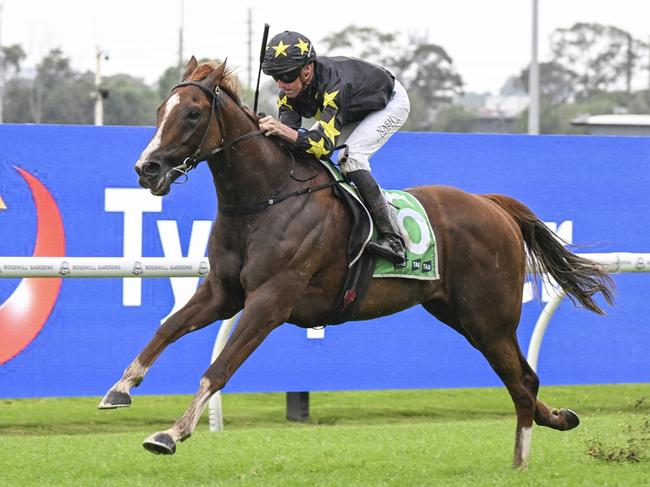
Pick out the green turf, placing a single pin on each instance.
(411, 438)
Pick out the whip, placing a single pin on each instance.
(259, 72)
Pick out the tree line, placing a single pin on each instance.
(593, 69)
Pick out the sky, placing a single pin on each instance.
(489, 40)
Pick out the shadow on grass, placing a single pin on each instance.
(79, 416)
(71, 427)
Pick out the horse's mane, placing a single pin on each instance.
(229, 83)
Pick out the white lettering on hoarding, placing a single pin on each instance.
(183, 287)
(133, 202)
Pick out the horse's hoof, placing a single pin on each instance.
(115, 399)
(160, 444)
(571, 418)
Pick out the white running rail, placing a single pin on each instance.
(102, 267)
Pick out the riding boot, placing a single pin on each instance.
(389, 243)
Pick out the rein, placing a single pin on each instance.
(192, 161)
(232, 210)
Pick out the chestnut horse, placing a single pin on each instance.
(285, 262)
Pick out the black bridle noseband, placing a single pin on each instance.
(192, 161)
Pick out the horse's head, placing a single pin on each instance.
(187, 126)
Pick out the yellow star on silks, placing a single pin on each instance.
(317, 148)
(2, 204)
(281, 48)
(284, 101)
(302, 45)
(318, 115)
(330, 129)
(328, 99)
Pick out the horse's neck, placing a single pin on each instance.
(250, 171)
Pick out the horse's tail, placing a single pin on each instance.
(580, 278)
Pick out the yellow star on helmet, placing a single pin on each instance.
(281, 48)
(328, 99)
(317, 148)
(302, 45)
(330, 130)
(284, 101)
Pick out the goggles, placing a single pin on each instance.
(288, 77)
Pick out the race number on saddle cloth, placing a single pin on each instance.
(420, 241)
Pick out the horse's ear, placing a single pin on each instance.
(189, 69)
(216, 76)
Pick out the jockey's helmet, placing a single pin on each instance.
(286, 53)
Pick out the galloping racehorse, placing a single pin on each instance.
(286, 262)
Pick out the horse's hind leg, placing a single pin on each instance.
(507, 360)
(206, 306)
(499, 346)
(559, 419)
(522, 383)
(503, 355)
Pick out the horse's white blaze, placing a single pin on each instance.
(154, 143)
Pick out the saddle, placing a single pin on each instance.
(363, 264)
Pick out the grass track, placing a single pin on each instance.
(433, 437)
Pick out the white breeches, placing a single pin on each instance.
(370, 134)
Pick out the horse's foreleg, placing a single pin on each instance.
(256, 322)
(206, 306)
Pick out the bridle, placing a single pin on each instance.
(192, 161)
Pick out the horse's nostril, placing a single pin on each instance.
(151, 169)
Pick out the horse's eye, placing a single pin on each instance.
(194, 115)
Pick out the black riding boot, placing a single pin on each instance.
(390, 243)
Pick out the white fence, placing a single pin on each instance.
(614, 262)
(78, 267)
(102, 267)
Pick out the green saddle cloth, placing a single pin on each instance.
(418, 235)
(419, 240)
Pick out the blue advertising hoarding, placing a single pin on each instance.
(592, 190)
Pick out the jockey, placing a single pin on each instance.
(355, 102)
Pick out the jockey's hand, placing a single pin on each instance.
(272, 126)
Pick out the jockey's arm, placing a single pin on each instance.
(321, 139)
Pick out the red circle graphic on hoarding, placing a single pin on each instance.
(25, 312)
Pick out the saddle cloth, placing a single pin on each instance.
(418, 235)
